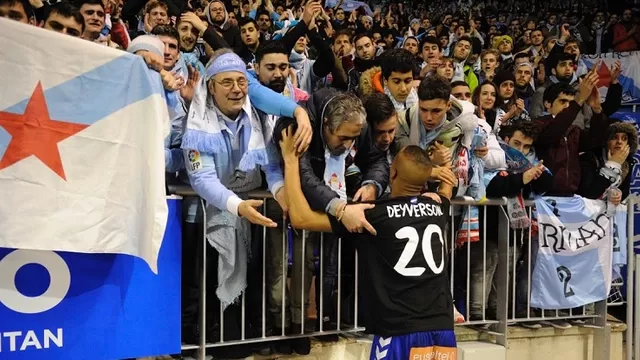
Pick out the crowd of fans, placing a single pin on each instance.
(496, 92)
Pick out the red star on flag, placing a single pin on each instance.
(35, 133)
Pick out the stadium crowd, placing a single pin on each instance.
(491, 98)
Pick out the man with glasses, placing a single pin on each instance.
(225, 146)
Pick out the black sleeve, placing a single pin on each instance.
(613, 101)
(503, 184)
(42, 12)
(592, 184)
(291, 37)
(213, 39)
(336, 226)
(543, 183)
(131, 8)
(325, 61)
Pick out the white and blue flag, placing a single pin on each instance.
(81, 146)
(574, 262)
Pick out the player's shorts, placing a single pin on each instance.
(428, 345)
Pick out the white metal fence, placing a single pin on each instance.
(512, 277)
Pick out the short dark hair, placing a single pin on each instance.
(281, 124)
(246, 20)
(417, 155)
(430, 40)
(527, 128)
(79, 3)
(166, 30)
(343, 32)
(379, 108)
(270, 47)
(398, 60)
(28, 8)
(459, 83)
(553, 92)
(434, 87)
(555, 60)
(263, 12)
(465, 38)
(521, 55)
(66, 10)
(360, 36)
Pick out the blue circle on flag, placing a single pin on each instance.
(32, 280)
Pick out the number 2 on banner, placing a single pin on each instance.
(564, 274)
(411, 234)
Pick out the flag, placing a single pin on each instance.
(350, 5)
(619, 257)
(574, 262)
(81, 146)
(629, 79)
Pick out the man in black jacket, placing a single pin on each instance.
(341, 145)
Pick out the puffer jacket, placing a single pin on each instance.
(559, 144)
(371, 161)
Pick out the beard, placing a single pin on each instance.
(277, 85)
(187, 47)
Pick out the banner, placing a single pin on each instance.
(81, 146)
(629, 79)
(574, 262)
(58, 305)
(350, 5)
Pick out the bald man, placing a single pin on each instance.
(404, 255)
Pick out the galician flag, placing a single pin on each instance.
(81, 146)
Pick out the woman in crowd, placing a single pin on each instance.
(511, 108)
(485, 98)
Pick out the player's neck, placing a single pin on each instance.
(399, 190)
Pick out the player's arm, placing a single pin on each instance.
(300, 213)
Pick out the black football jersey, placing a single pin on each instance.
(404, 268)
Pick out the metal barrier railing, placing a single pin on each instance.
(503, 282)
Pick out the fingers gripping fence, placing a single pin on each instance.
(490, 279)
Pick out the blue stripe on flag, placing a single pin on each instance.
(95, 94)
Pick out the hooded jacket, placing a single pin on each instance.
(560, 142)
(230, 33)
(596, 169)
(371, 161)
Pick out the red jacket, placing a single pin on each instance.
(560, 143)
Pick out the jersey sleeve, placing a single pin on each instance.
(445, 203)
(337, 227)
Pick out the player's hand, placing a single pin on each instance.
(304, 133)
(288, 145)
(614, 197)
(248, 211)
(355, 220)
(482, 152)
(619, 156)
(433, 196)
(444, 174)
(440, 155)
(366, 193)
(281, 198)
(533, 173)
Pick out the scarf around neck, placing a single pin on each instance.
(204, 132)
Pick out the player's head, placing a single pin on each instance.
(410, 170)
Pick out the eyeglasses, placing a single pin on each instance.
(229, 83)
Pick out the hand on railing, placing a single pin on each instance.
(248, 211)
